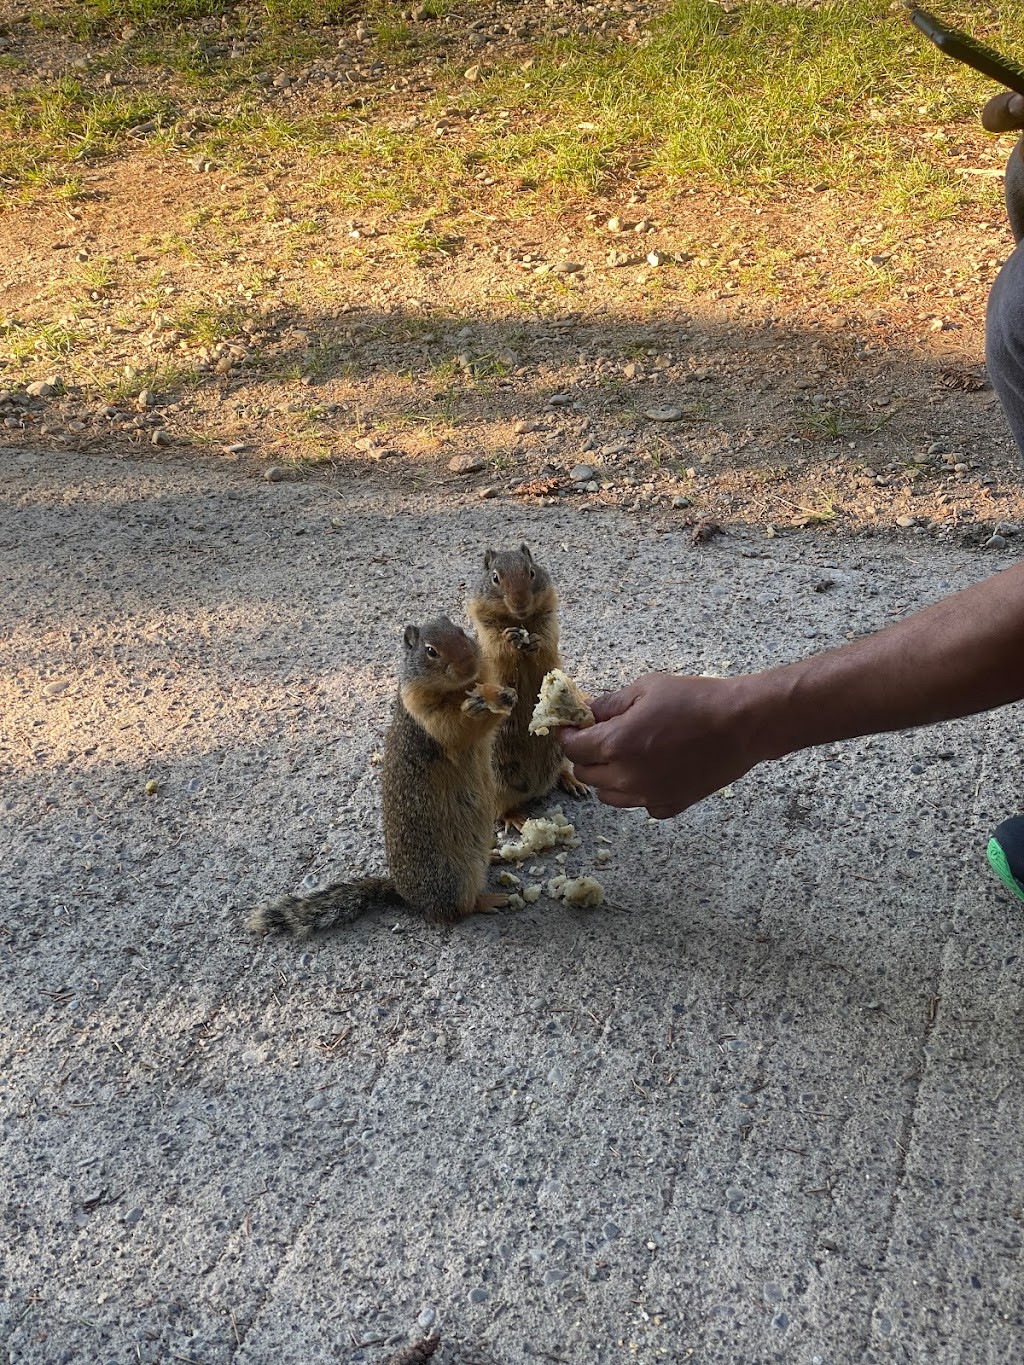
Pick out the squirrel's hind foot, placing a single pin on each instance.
(569, 782)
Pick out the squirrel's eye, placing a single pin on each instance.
(496, 579)
(533, 573)
(431, 651)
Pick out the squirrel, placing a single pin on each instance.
(439, 793)
(514, 609)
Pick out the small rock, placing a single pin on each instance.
(282, 80)
(663, 414)
(680, 502)
(582, 473)
(143, 129)
(560, 400)
(656, 258)
(566, 268)
(526, 425)
(131, 1217)
(144, 400)
(274, 473)
(161, 437)
(152, 787)
(478, 1295)
(465, 464)
(42, 388)
(54, 689)
(611, 1231)
(427, 1317)
(485, 493)
(995, 543)
(472, 74)
(906, 522)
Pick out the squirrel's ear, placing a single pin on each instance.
(525, 550)
(412, 637)
(489, 557)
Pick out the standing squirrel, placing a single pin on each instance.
(515, 611)
(439, 795)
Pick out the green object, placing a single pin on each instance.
(1001, 867)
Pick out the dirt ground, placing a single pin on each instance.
(787, 359)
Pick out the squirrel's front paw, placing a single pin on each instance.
(485, 697)
(521, 639)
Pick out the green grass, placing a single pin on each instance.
(767, 95)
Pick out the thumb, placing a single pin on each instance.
(614, 703)
(1004, 113)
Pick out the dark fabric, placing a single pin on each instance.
(1004, 324)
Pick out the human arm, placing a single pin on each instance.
(666, 742)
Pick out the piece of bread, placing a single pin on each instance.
(560, 703)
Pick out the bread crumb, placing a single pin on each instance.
(546, 831)
(532, 893)
(516, 902)
(585, 891)
(507, 878)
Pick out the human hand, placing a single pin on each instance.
(666, 742)
(1003, 114)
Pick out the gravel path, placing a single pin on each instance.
(767, 1109)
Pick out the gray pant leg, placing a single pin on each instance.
(1004, 323)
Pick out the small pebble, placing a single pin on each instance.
(479, 1295)
(161, 437)
(663, 414)
(906, 522)
(465, 464)
(995, 543)
(485, 493)
(274, 473)
(582, 473)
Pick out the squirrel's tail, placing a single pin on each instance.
(335, 905)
